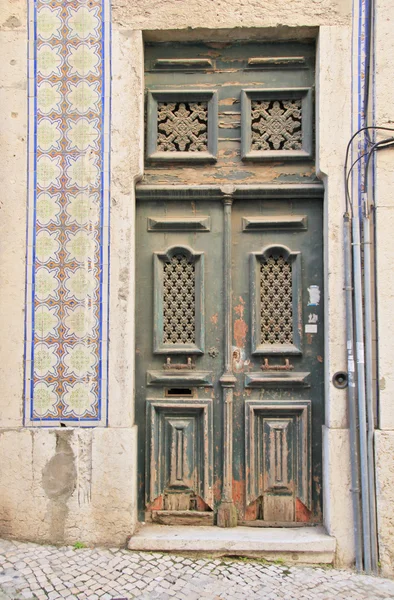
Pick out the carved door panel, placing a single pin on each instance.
(179, 358)
(278, 359)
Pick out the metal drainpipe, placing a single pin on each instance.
(354, 456)
(369, 382)
(363, 17)
(368, 297)
(362, 417)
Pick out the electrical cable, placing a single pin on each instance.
(381, 145)
(376, 128)
(348, 195)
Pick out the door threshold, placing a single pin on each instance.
(307, 545)
(194, 518)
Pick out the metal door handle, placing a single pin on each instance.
(286, 367)
(178, 366)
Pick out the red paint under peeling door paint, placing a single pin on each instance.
(252, 511)
(303, 515)
(239, 494)
(240, 333)
(157, 504)
(239, 309)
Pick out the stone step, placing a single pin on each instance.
(308, 545)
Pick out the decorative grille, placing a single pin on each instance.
(276, 125)
(182, 126)
(276, 296)
(179, 325)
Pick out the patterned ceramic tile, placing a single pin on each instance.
(67, 272)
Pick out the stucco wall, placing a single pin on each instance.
(68, 485)
(177, 14)
(384, 439)
(13, 173)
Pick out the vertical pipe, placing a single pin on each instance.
(227, 515)
(228, 443)
(227, 206)
(369, 386)
(369, 295)
(359, 321)
(354, 457)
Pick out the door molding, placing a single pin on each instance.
(299, 414)
(256, 260)
(197, 260)
(217, 192)
(199, 414)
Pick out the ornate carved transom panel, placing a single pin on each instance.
(276, 124)
(276, 301)
(182, 126)
(179, 302)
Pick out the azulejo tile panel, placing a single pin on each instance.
(68, 212)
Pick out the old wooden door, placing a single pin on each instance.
(229, 344)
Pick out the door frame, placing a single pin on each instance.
(333, 125)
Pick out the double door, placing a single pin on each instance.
(229, 359)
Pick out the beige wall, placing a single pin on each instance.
(13, 142)
(173, 14)
(384, 439)
(68, 485)
(332, 136)
(95, 500)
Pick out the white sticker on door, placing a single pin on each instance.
(314, 295)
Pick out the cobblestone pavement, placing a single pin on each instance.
(32, 571)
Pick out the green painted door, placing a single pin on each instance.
(229, 279)
(276, 330)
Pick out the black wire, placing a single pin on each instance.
(347, 195)
(378, 146)
(348, 177)
(381, 145)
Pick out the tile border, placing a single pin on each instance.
(63, 42)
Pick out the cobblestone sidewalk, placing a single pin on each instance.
(41, 572)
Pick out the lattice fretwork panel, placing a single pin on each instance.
(276, 296)
(276, 124)
(179, 302)
(182, 126)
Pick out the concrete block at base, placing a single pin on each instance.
(384, 453)
(337, 498)
(67, 485)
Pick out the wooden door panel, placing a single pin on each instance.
(279, 360)
(179, 448)
(179, 356)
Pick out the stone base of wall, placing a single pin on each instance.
(337, 501)
(384, 452)
(68, 485)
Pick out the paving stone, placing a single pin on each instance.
(51, 573)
